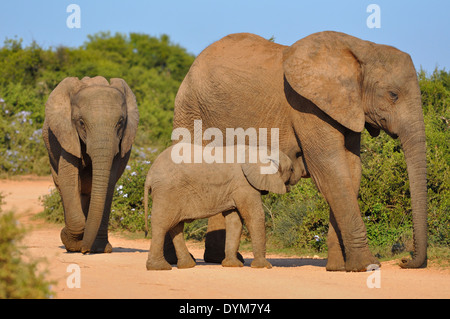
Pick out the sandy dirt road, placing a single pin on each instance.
(122, 274)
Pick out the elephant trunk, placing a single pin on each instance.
(414, 147)
(99, 206)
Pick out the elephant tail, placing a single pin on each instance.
(147, 189)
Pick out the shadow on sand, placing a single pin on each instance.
(276, 262)
(114, 250)
(280, 262)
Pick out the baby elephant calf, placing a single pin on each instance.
(186, 191)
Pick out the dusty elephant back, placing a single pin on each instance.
(241, 62)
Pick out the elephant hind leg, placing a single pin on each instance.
(160, 227)
(156, 260)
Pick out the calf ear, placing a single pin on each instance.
(264, 182)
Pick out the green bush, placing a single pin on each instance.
(22, 149)
(18, 279)
(127, 211)
(298, 218)
(53, 208)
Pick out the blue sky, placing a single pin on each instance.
(421, 28)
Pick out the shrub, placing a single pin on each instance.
(53, 208)
(21, 146)
(298, 218)
(18, 279)
(127, 210)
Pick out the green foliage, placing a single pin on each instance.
(384, 194)
(298, 218)
(127, 211)
(196, 229)
(53, 208)
(18, 279)
(436, 104)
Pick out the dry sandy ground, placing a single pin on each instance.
(122, 274)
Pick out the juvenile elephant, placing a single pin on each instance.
(88, 130)
(320, 92)
(188, 190)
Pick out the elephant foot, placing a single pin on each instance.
(232, 262)
(261, 263)
(101, 248)
(360, 262)
(98, 247)
(185, 263)
(335, 266)
(72, 243)
(335, 261)
(158, 264)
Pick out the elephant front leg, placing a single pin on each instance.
(336, 248)
(253, 214)
(68, 184)
(347, 238)
(347, 235)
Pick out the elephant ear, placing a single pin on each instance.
(259, 179)
(132, 114)
(324, 68)
(58, 115)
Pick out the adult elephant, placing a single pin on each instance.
(88, 130)
(320, 92)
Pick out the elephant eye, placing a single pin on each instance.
(81, 122)
(393, 96)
